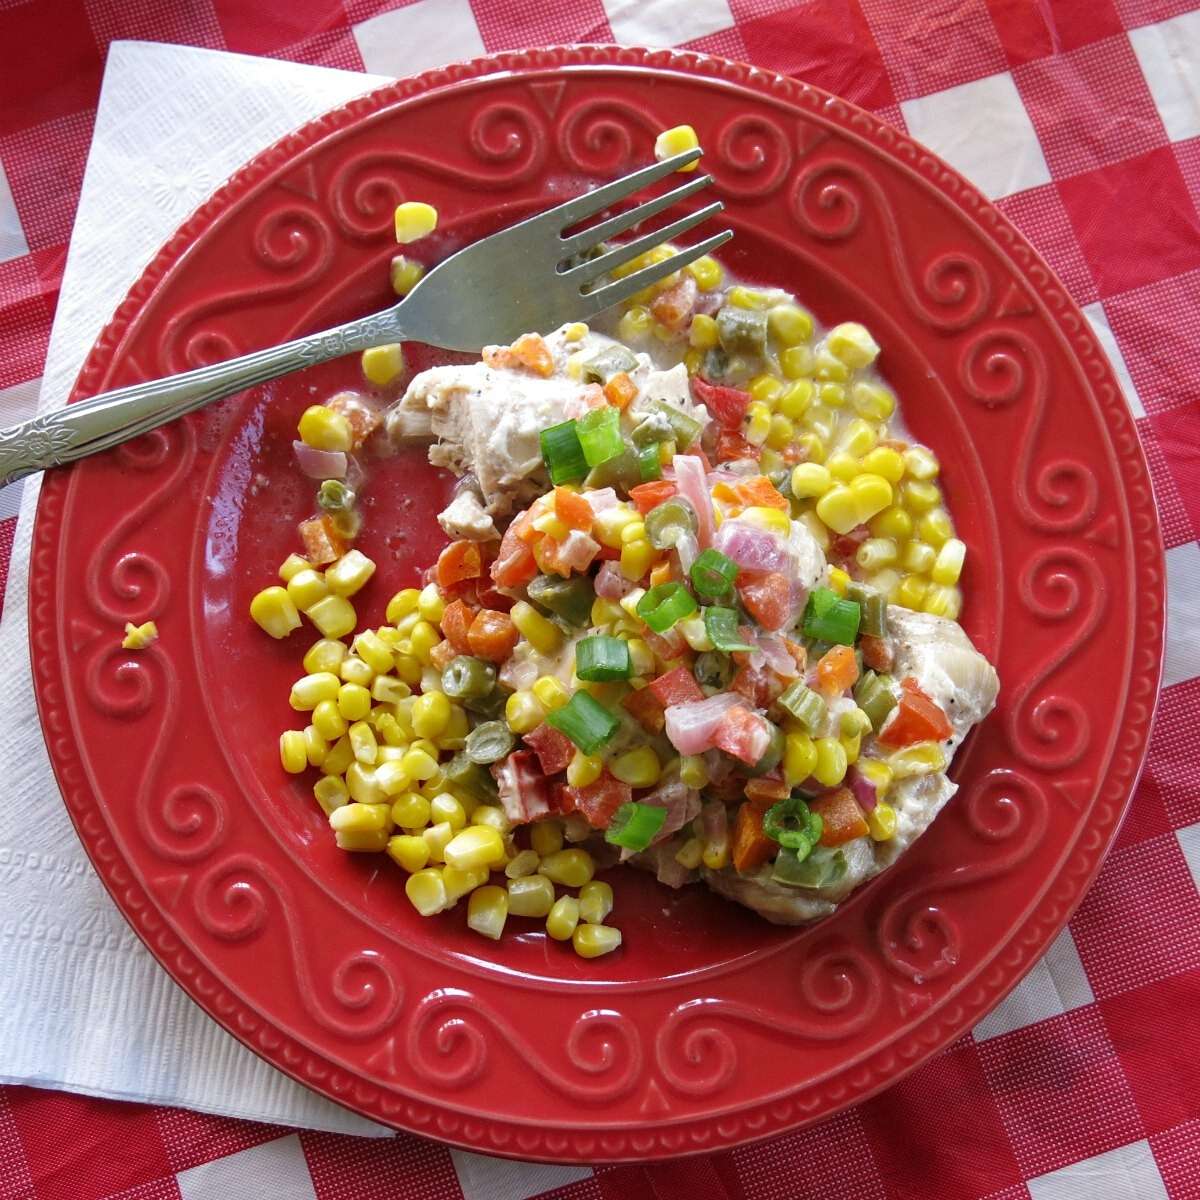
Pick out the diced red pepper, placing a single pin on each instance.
(877, 652)
(915, 719)
(554, 750)
(758, 684)
(676, 687)
(598, 801)
(731, 447)
(846, 545)
(525, 792)
(765, 791)
(727, 406)
(650, 495)
(743, 734)
(458, 561)
(647, 709)
(767, 597)
(841, 818)
(751, 847)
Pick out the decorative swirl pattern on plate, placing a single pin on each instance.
(752, 156)
(446, 1024)
(1002, 367)
(698, 1057)
(606, 136)
(233, 901)
(915, 936)
(1057, 583)
(294, 243)
(827, 202)
(507, 140)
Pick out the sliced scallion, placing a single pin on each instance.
(713, 574)
(563, 453)
(585, 721)
(721, 625)
(599, 432)
(634, 825)
(829, 618)
(601, 659)
(664, 604)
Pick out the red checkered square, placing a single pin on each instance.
(44, 165)
(191, 24)
(749, 10)
(1175, 521)
(725, 42)
(1028, 31)
(190, 1138)
(50, 64)
(1177, 1154)
(712, 1177)
(1158, 330)
(1147, 1027)
(26, 309)
(1135, 221)
(267, 29)
(1147, 815)
(1178, 433)
(827, 43)
(953, 1082)
(348, 1168)
(156, 1189)
(1039, 214)
(1123, 941)
(1172, 761)
(929, 47)
(623, 1183)
(15, 1181)
(1060, 1091)
(81, 1148)
(1187, 155)
(8, 529)
(1066, 95)
(513, 24)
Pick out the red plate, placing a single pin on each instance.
(709, 1028)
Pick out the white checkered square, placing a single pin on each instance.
(485, 1178)
(427, 34)
(12, 236)
(277, 1169)
(1098, 319)
(1189, 842)
(981, 128)
(1182, 659)
(666, 22)
(1126, 1173)
(1169, 54)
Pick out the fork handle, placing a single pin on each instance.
(111, 418)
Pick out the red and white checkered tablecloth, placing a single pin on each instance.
(1086, 1081)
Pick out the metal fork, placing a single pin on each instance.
(524, 278)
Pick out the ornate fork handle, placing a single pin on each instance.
(113, 417)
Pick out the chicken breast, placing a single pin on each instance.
(948, 668)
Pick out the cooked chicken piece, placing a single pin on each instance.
(465, 517)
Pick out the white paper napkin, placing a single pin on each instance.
(83, 1006)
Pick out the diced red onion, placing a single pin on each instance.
(714, 821)
(864, 790)
(320, 464)
(611, 584)
(755, 659)
(692, 483)
(681, 802)
(777, 655)
(753, 549)
(690, 727)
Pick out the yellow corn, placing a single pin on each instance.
(948, 565)
(838, 509)
(387, 689)
(691, 854)
(430, 604)
(523, 712)
(354, 670)
(338, 758)
(799, 758)
(876, 773)
(797, 362)
(408, 667)
(310, 690)
(822, 421)
(328, 719)
(758, 423)
(872, 401)
(591, 941)
(595, 901)
(382, 364)
(883, 460)
(315, 746)
(637, 558)
(408, 851)
(893, 522)
(923, 758)
(292, 565)
(765, 388)
(781, 432)
(858, 438)
(789, 324)
(634, 323)
(475, 846)
(419, 764)
(918, 557)
(405, 274)
(390, 777)
(851, 744)
(605, 612)
(274, 612)
(138, 637)
(324, 429)
(437, 838)
(546, 837)
(885, 581)
(492, 816)
(584, 769)
(793, 402)
(349, 573)
(920, 462)
(373, 650)
(487, 910)
(411, 810)
(330, 793)
(360, 779)
(943, 601)
(936, 528)
(695, 633)
(363, 743)
(353, 701)
(530, 896)
(427, 891)
(550, 692)
(852, 344)
(402, 604)
(910, 592)
(876, 553)
(842, 466)
(816, 527)
(448, 808)
(430, 714)
(571, 868)
(639, 768)
(702, 333)
(715, 855)
(881, 822)
(810, 480)
(292, 752)
(324, 655)
(706, 272)
(541, 634)
(523, 863)
(423, 638)
(334, 616)
(361, 827)
(675, 141)
(831, 395)
(830, 767)
(459, 882)
(563, 918)
(414, 220)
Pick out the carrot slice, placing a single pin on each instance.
(841, 818)
(572, 509)
(456, 621)
(492, 635)
(836, 670)
(751, 847)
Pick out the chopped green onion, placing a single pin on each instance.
(562, 453)
(713, 573)
(601, 659)
(585, 721)
(874, 609)
(649, 463)
(634, 825)
(467, 678)
(465, 778)
(805, 705)
(829, 618)
(742, 330)
(622, 472)
(873, 694)
(793, 825)
(664, 604)
(570, 599)
(489, 742)
(816, 869)
(667, 522)
(334, 496)
(599, 431)
(721, 625)
(653, 429)
(606, 362)
(713, 669)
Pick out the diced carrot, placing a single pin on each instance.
(499, 358)
(751, 847)
(877, 652)
(916, 719)
(673, 306)
(620, 390)
(456, 620)
(837, 670)
(799, 653)
(650, 495)
(322, 542)
(522, 525)
(531, 351)
(460, 560)
(759, 491)
(572, 509)
(546, 553)
(732, 446)
(492, 635)
(647, 709)
(662, 572)
(441, 655)
(841, 818)
(768, 598)
(364, 418)
(764, 791)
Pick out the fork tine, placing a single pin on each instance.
(622, 289)
(596, 234)
(593, 268)
(587, 205)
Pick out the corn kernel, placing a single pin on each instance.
(693, 771)
(363, 743)
(831, 395)
(551, 693)
(765, 388)
(691, 854)
(830, 767)
(881, 822)
(419, 764)
(292, 565)
(920, 462)
(530, 896)
(823, 422)
(918, 557)
(310, 690)
(373, 650)
(893, 522)
(838, 510)
(543, 635)
(948, 565)
(437, 838)
(427, 891)
(330, 793)
(706, 272)
(361, 827)
(523, 712)
(943, 601)
(715, 855)
(324, 655)
(492, 816)
(405, 274)
(448, 808)
(591, 941)
(852, 344)
(675, 141)
(816, 527)
(583, 770)
(789, 324)
(408, 851)
(884, 582)
(390, 777)
(595, 901)
(851, 744)
(349, 573)
(274, 612)
(387, 689)
(797, 362)
(324, 429)
(799, 758)
(353, 701)
(382, 364)
(546, 837)
(424, 637)
(430, 714)
(334, 616)
(839, 580)
(872, 401)
(936, 528)
(338, 757)
(402, 604)
(292, 752)
(639, 768)
(408, 667)
(842, 466)
(354, 670)
(923, 758)
(563, 918)
(758, 423)
(475, 846)
(315, 746)
(781, 432)
(138, 637)
(810, 480)
(910, 592)
(634, 323)
(459, 882)
(414, 220)
(411, 810)
(570, 868)
(702, 333)
(876, 553)
(883, 460)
